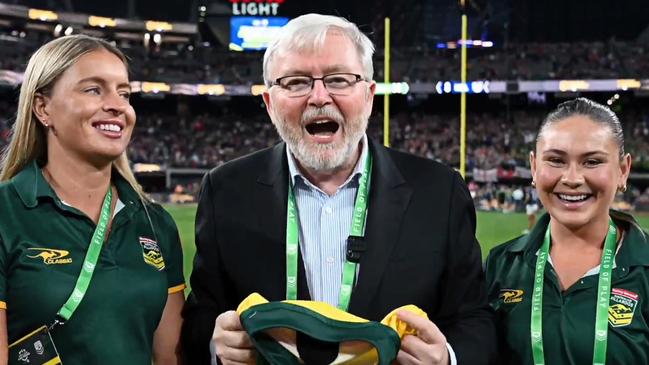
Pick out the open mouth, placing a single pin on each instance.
(322, 128)
(574, 198)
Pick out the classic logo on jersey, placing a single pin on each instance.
(151, 253)
(51, 256)
(511, 296)
(621, 307)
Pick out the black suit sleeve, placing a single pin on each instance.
(465, 317)
(207, 299)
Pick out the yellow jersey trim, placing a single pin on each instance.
(54, 361)
(26, 336)
(3, 305)
(391, 320)
(176, 289)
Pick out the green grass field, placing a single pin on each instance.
(493, 228)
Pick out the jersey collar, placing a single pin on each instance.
(633, 252)
(31, 185)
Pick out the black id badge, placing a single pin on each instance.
(37, 348)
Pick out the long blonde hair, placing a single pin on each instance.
(28, 137)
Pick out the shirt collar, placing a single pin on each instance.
(634, 250)
(358, 169)
(31, 185)
(635, 247)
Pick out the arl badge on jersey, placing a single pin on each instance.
(151, 253)
(621, 307)
(511, 296)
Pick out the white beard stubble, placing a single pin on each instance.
(317, 156)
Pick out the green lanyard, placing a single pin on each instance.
(357, 229)
(89, 263)
(603, 295)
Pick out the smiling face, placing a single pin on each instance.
(322, 130)
(578, 170)
(88, 109)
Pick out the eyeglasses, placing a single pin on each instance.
(336, 84)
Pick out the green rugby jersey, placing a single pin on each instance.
(569, 316)
(43, 243)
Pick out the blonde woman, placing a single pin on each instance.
(88, 265)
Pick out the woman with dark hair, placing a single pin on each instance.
(574, 290)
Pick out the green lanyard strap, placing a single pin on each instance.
(603, 296)
(357, 231)
(89, 263)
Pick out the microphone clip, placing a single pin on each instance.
(355, 248)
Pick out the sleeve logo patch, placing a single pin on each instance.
(511, 296)
(151, 253)
(622, 307)
(51, 256)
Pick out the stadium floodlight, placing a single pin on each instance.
(573, 85)
(146, 167)
(68, 30)
(100, 21)
(43, 15)
(57, 30)
(383, 88)
(155, 87)
(157, 26)
(211, 89)
(257, 90)
(625, 84)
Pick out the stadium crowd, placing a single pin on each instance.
(207, 140)
(201, 63)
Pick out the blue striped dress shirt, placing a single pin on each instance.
(325, 222)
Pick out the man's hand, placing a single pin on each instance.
(427, 347)
(230, 342)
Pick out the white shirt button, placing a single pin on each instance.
(330, 260)
(328, 210)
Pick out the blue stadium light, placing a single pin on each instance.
(470, 43)
(460, 87)
(448, 87)
(454, 87)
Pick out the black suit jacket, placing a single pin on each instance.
(421, 249)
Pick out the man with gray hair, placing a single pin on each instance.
(332, 216)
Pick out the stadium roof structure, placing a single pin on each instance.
(59, 23)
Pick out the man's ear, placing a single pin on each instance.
(266, 96)
(371, 91)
